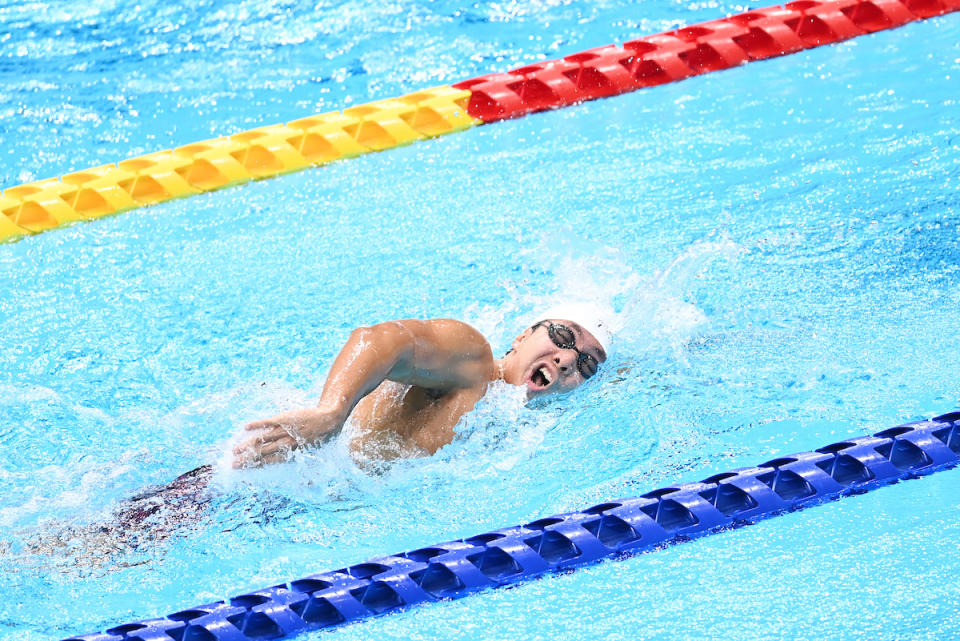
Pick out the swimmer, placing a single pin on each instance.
(404, 382)
(411, 381)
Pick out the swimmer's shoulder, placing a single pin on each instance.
(460, 331)
(452, 349)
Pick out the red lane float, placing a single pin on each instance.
(675, 55)
(595, 73)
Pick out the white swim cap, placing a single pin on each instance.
(594, 318)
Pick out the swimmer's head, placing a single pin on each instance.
(559, 352)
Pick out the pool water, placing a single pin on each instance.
(781, 241)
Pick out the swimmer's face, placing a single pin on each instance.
(546, 361)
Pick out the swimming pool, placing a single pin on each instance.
(782, 238)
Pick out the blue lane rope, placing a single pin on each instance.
(614, 529)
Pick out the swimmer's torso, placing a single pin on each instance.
(397, 417)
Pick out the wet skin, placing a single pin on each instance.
(410, 381)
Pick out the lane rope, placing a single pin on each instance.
(562, 542)
(308, 142)
(231, 160)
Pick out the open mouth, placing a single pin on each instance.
(541, 378)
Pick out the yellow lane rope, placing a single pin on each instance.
(231, 160)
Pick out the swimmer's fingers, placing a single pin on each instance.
(286, 432)
(261, 424)
(252, 446)
(253, 454)
(270, 433)
(283, 447)
(267, 442)
(279, 457)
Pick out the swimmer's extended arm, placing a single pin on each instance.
(440, 354)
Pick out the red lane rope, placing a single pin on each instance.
(675, 55)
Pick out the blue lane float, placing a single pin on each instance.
(614, 529)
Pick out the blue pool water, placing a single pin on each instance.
(781, 240)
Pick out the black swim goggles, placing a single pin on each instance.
(564, 338)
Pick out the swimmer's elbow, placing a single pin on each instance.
(390, 340)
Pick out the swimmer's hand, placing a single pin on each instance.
(276, 437)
